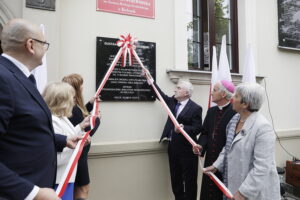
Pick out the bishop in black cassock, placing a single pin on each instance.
(213, 135)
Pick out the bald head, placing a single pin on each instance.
(16, 32)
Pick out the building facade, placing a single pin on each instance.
(126, 161)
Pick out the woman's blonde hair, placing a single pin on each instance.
(76, 81)
(59, 97)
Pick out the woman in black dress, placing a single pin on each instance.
(80, 111)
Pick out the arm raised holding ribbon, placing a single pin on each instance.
(182, 127)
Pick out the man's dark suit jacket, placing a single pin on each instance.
(190, 117)
(27, 141)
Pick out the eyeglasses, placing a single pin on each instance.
(45, 44)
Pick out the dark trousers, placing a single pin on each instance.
(184, 172)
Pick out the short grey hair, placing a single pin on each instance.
(251, 94)
(223, 89)
(16, 32)
(186, 85)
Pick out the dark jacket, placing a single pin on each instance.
(190, 117)
(28, 145)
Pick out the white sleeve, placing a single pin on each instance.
(33, 193)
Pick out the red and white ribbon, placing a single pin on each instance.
(71, 166)
(126, 45)
(175, 122)
(220, 185)
(217, 181)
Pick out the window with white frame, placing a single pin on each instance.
(207, 21)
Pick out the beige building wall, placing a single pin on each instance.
(126, 161)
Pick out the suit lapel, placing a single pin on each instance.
(246, 128)
(34, 93)
(186, 108)
(20, 76)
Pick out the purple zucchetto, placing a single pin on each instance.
(228, 85)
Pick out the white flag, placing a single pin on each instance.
(224, 70)
(214, 76)
(249, 67)
(40, 73)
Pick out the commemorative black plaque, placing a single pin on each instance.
(41, 4)
(125, 83)
(289, 24)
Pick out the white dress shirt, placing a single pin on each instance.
(181, 107)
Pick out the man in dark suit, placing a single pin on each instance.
(28, 145)
(213, 135)
(183, 162)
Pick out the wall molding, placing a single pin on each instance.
(134, 148)
(120, 149)
(288, 134)
(202, 77)
(5, 13)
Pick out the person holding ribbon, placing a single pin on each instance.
(82, 180)
(247, 161)
(28, 144)
(60, 99)
(213, 135)
(182, 161)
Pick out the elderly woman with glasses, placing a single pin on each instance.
(247, 161)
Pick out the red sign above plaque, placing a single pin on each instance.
(140, 8)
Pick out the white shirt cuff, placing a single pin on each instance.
(33, 193)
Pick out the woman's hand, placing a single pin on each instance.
(94, 99)
(239, 196)
(85, 122)
(98, 114)
(210, 169)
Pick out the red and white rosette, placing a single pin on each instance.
(127, 45)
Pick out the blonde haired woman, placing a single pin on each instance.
(60, 100)
(82, 181)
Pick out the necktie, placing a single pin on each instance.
(175, 113)
(32, 79)
(176, 108)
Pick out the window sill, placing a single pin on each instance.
(202, 77)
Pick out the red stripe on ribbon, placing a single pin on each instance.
(70, 168)
(209, 98)
(176, 124)
(220, 185)
(127, 44)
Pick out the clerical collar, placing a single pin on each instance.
(222, 107)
